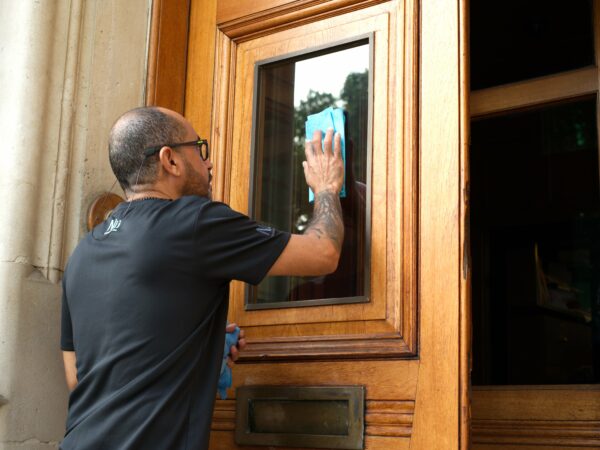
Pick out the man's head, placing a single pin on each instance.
(174, 171)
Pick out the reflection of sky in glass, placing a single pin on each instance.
(327, 73)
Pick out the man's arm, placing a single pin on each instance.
(317, 251)
(70, 361)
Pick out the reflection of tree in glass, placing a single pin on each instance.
(356, 103)
(354, 99)
(314, 103)
(348, 280)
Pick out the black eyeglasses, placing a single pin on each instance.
(201, 144)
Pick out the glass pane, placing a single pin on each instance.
(288, 91)
(515, 40)
(535, 236)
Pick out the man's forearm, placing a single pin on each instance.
(70, 362)
(327, 221)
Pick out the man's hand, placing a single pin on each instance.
(234, 351)
(324, 170)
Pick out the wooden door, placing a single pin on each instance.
(405, 338)
(538, 386)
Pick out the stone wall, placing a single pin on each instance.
(68, 68)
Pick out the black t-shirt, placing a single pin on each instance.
(145, 298)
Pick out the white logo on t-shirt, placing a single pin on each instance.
(265, 230)
(113, 226)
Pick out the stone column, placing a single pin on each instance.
(68, 68)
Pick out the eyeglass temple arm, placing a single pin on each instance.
(152, 150)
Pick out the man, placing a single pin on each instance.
(145, 294)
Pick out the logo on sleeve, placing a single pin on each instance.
(267, 231)
(113, 226)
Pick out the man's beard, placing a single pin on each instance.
(194, 184)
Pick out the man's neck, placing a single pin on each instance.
(147, 193)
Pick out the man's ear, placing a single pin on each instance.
(169, 160)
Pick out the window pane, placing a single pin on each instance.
(288, 91)
(515, 40)
(535, 234)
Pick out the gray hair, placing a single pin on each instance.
(133, 132)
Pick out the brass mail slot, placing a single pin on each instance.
(300, 416)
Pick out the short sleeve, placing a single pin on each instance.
(232, 246)
(66, 327)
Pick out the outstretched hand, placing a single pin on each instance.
(324, 169)
(234, 350)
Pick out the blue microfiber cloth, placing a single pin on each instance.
(225, 377)
(328, 118)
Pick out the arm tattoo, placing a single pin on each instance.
(327, 219)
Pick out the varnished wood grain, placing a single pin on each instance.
(248, 20)
(391, 418)
(399, 227)
(596, 22)
(505, 446)
(201, 67)
(465, 317)
(554, 416)
(222, 116)
(437, 413)
(538, 432)
(580, 402)
(166, 79)
(224, 416)
(540, 417)
(390, 260)
(406, 49)
(222, 440)
(534, 92)
(235, 9)
(383, 380)
(315, 347)
(596, 25)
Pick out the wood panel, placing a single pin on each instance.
(419, 396)
(465, 317)
(222, 115)
(383, 380)
(201, 67)
(404, 100)
(596, 18)
(538, 432)
(167, 57)
(235, 9)
(438, 414)
(553, 416)
(333, 331)
(223, 440)
(537, 417)
(579, 402)
(247, 20)
(596, 25)
(390, 389)
(505, 446)
(534, 92)
(388, 418)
